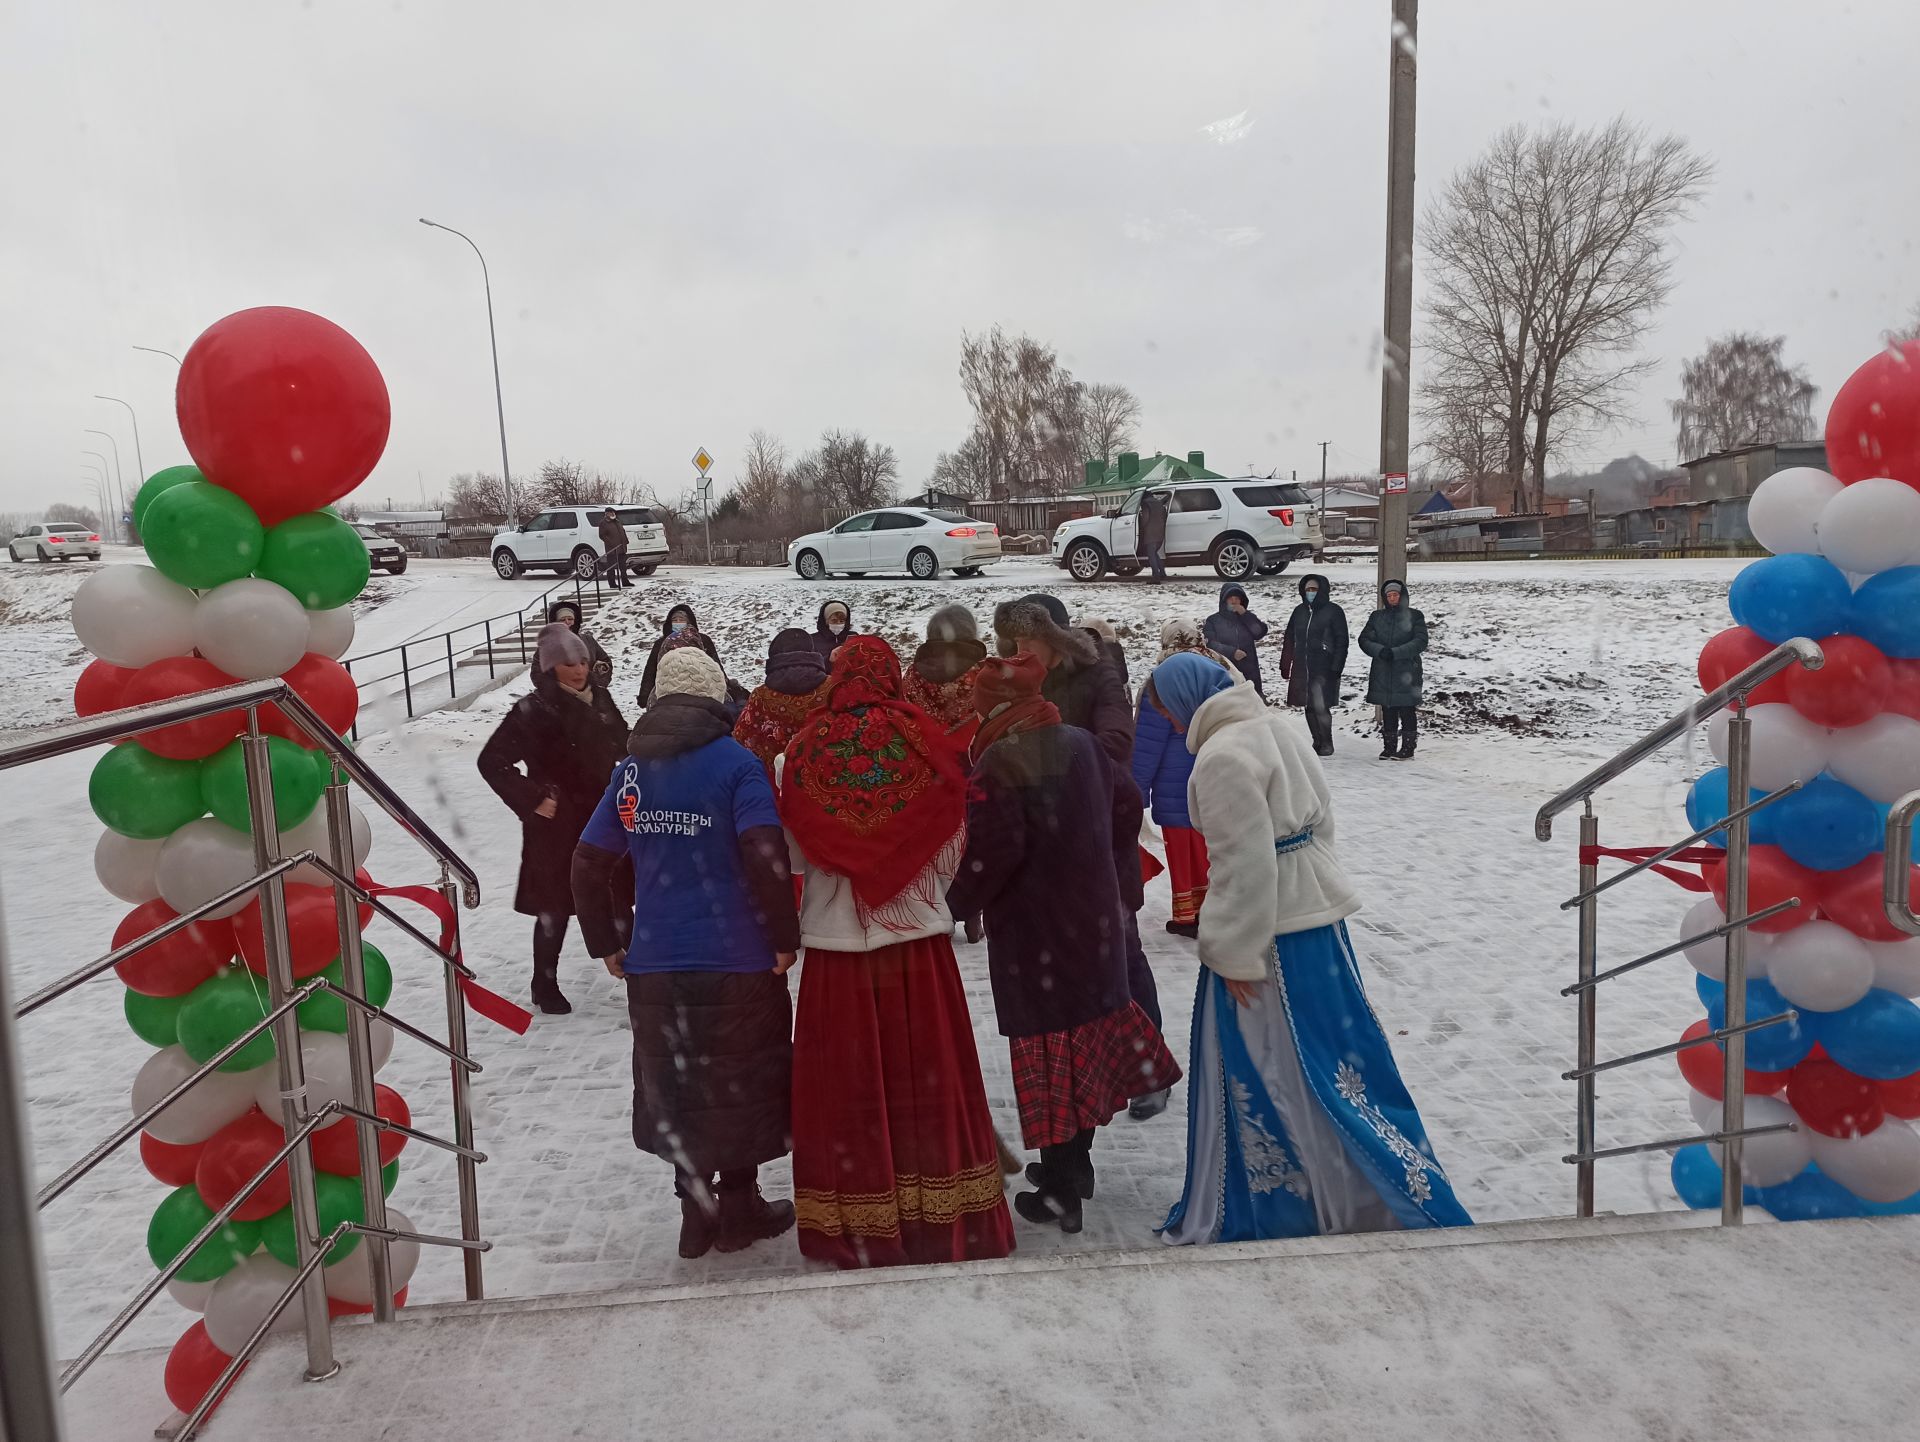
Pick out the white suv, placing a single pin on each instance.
(567, 538)
(1236, 526)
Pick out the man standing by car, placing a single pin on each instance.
(1153, 533)
(613, 546)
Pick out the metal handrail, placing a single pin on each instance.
(1673, 948)
(1685, 1043)
(1807, 653)
(1667, 1144)
(1896, 883)
(1667, 853)
(534, 604)
(447, 958)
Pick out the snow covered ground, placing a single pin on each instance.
(1537, 670)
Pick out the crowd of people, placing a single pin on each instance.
(859, 811)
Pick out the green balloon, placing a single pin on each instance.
(156, 486)
(218, 1010)
(389, 1178)
(145, 796)
(154, 1019)
(323, 1011)
(178, 1220)
(338, 1199)
(202, 536)
(297, 784)
(320, 558)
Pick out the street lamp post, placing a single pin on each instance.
(105, 474)
(139, 464)
(119, 481)
(499, 406)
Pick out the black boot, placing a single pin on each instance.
(548, 933)
(1147, 1107)
(697, 1226)
(1189, 929)
(1063, 1175)
(747, 1217)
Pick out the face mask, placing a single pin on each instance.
(1313, 593)
(678, 627)
(837, 627)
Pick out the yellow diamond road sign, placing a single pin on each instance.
(702, 462)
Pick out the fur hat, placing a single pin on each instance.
(1032, 617)
(689, 671)
(558, 645)
(953, 623)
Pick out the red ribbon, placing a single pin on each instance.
(490, 1004)
(1693, 855)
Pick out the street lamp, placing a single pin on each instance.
(499, 406)
(137, 461)
(118, 480)
(155, 350)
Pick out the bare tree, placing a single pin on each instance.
(1547, 258)
(1109, 412)
(763, 490)
(1034, 425)
(1739, 392)
(482, 496)
(963, 470)
(850, 471)
(71, 515)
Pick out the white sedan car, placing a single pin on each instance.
(909, 539)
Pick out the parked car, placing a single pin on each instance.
(1237, 527)
(919, 542)
(386, 553)
(55, 542)
(567, 538)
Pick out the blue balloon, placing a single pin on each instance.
(1878, 1036)
(1771, 1048)
(1905, 1207)
(1696, 1176)
(1886, 611)
(1713, 996)
(1809, 1197)
(1827, 825)
(1707, 803)
(1794, 595)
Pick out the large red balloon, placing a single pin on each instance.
(1702, 1066)
(1852, 898)
(336, 1149)
(182, 961)
(193, 1366)
(1772, 877)
(1903, 687)
(233, 1155)
(170, 1163)
(100, 688)
(283, 408)
(1834, 1101)
(1730, 653)
(1901, 1096)
(1850, 690)
(324, 684)
(313, 931)
(183, 676)
(1873, 428)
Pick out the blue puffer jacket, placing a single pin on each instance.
(1161, 765)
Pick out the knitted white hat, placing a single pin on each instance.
(689, 671)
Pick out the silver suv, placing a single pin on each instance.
(1238, 527)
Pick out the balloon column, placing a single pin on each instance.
(1845, 570)
(251, 577)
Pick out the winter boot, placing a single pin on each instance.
(546, 989)
(1050, 1208)
(697, 1226)
(1045, 1180)
(1387, 753)
(1149, 1106)
(747, 1217)
(1189, 929)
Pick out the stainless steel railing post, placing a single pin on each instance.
(286, 1044)
(1587, 1085)
(353, 967)
(464, 1166)
(1734, 1061)
(1896, 877)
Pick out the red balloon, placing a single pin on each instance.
(1873, 428)
(231, 1157)
(335, 1148)
(1903, 687)
(1852, 898)
(313, 933)
(183, 676)
(1901, 1096)
(1702, 1066)
(283, 408)
(174, 1165)
(324, 684)
(1850, 690)
(1834, 1101)
(1772, 877)
(177, 965)
(100, 688)
(1730, 653)
(193, 1366)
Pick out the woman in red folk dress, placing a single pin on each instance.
(894, 1156)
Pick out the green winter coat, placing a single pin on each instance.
(1395, 636)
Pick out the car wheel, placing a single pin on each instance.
(507, 564)
(398, 567)
(807, 563)
(585, 563)
(922, 564)
(1126, 568)
(41, 552)
(640, 570)
(966, 572)
(1085, 561)
(1234, 558)
(1271, 568)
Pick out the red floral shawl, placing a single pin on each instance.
(871, 790)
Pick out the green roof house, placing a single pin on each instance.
(1129, 472)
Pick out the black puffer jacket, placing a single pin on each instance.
(1315, 647)
(666, 634)
(1237, 635)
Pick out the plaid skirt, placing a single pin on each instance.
(1068, 1081)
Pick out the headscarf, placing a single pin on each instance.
(872, 791)
(1007, 696)
(1185, 682)
(1186, 635)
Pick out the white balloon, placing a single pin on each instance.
(125, 866)
(380, 1042)
(1882, 1166)
(242, 1298)
(191, 1295)
(1786, 745)
(251, 629)
(330, 632)
(221, 1097)
(311, 835)
(1880, 759)
(329, 1075)
(1709, 958)
(1820, 966)
(131, 615)
(351, 1278)
(200, 861)
(1896, 964)
(1764, 1161)
(1871, 526)
(1786, 507)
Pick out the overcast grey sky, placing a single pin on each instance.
(706, 218)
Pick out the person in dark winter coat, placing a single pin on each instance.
(796, 686)
(613, 546)
(1111, 650)
(1153, 533)
(691, 814)
(1313, 657)
(1396, 636)
(1235, 632)
(681, 627)
(1052, 861)
(568, 735)
(831, 626)
(940, 681)
(567, 613)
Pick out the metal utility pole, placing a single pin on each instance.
(119, 482)
(1396, 356)
(138, 463)
(1323, 476)
(499, 406)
